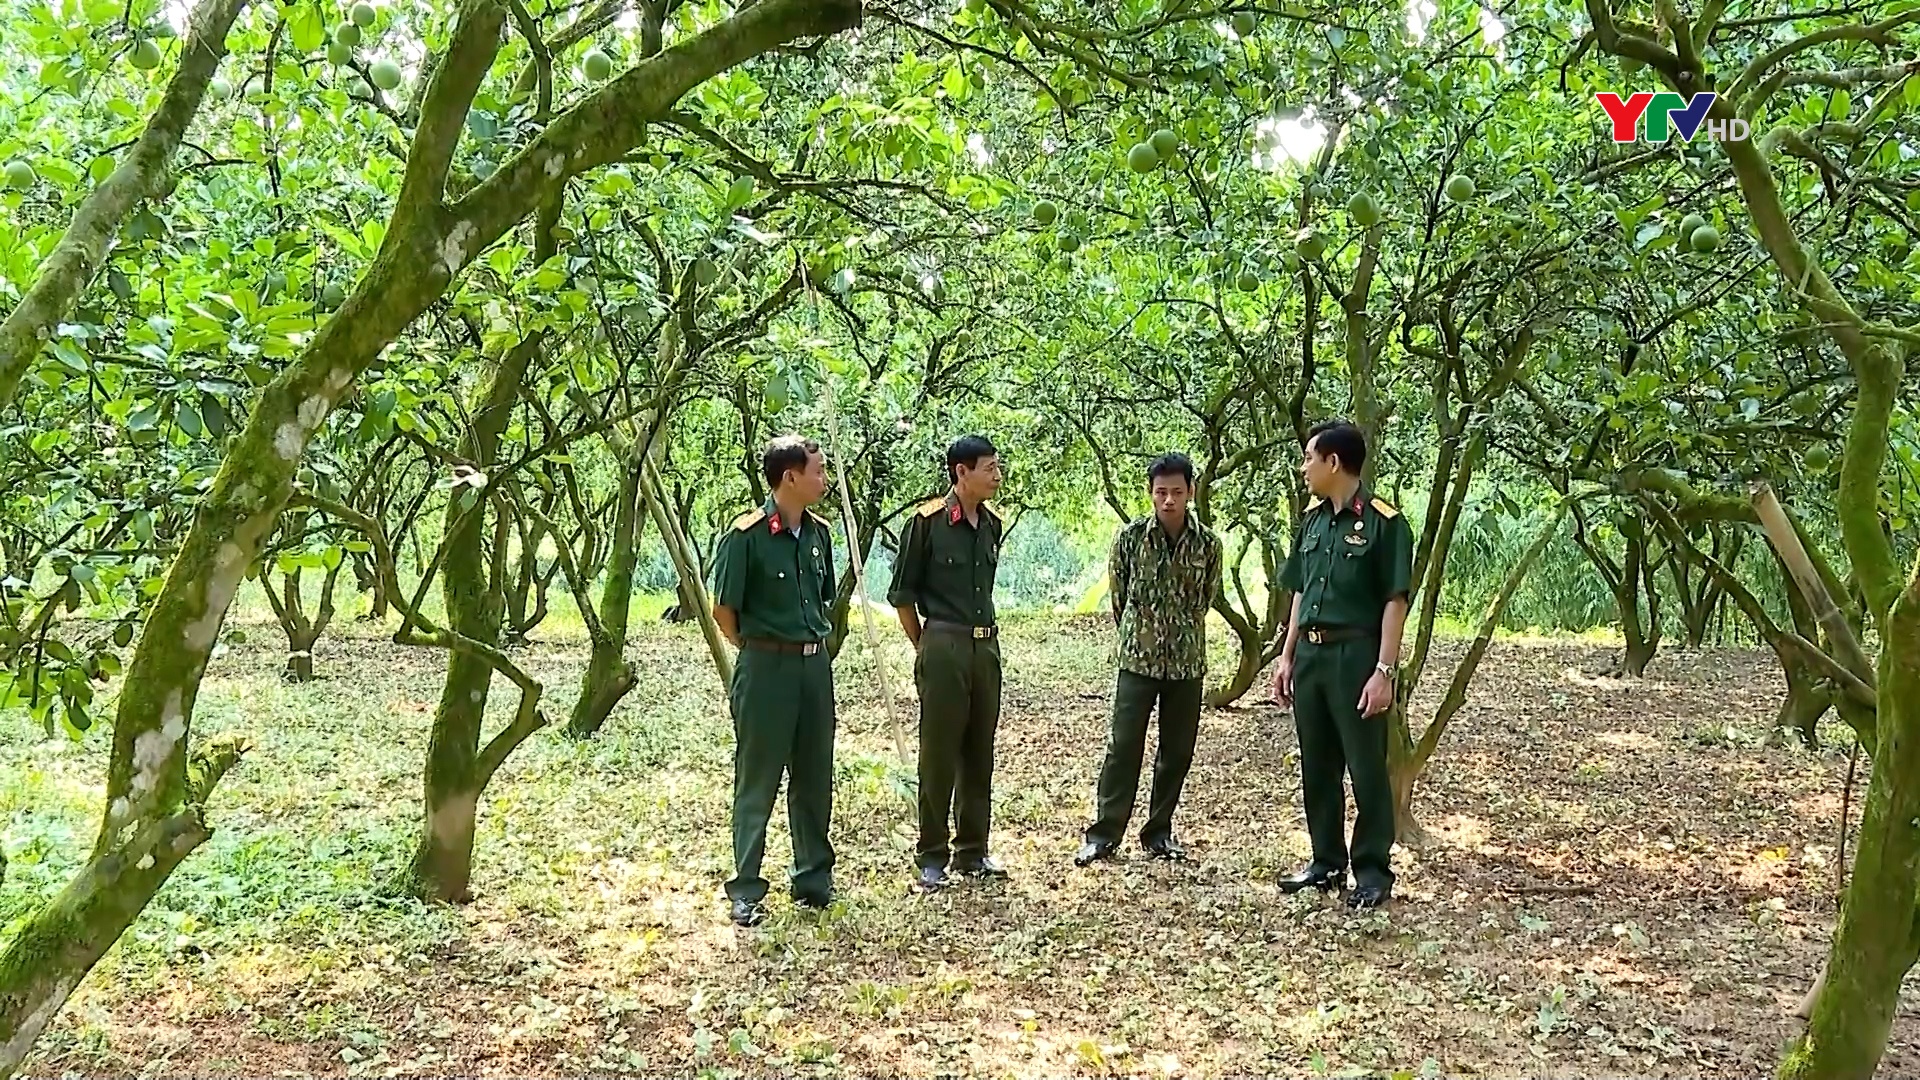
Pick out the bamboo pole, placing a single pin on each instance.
(1786, 540)
(857, 560)
(681, 552)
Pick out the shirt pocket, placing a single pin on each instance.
(1350, 561)
(773, 575)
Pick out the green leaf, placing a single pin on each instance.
(308, 31)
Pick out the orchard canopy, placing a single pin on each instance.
(376, 379)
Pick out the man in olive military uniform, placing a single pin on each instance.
(1165, 572)
(773, 598)
(1350, 573)
(943, 590)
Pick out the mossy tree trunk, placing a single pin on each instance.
(303, 630)
(609, 674)
(1875, 942)
(153, 814)
(1628, 579)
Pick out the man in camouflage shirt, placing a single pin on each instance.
(1165, 571)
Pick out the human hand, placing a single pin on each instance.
(1283, 682)
(1377, 697)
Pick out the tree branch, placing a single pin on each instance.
(64, 277)
(443, 114)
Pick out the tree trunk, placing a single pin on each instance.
(299, 663)
(58, 944)
(1640, 648)
(427, 244)
(442, 865)
(1255, 655)
(1805, 704)
(609, 676)
(1406, 760)
(1877, 940)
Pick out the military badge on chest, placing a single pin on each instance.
(1358, 537)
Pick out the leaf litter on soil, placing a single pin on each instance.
(1622, 879)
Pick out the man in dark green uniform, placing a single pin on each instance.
(773, 597)
(1165, 574)
(943, 590)
(1350, 573)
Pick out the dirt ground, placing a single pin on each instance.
(1621, 880)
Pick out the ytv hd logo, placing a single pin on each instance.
(1668, 112)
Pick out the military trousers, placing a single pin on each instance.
(1134, 698)
(1335, 740)
(783, 724)
(958, 677)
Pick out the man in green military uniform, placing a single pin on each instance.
(1350, 573)
(1165, 574)
(773, 598)
(943, 590)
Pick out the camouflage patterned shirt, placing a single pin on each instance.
(1162, 587)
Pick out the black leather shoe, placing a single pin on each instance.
(931, 879)
(814, 903)
(748, 913)
(1367, 897)
(986, 868)
(1165, 847)
(1314, 877)
(1092, 852)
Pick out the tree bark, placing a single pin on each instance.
(1407, 761)
(609, 675)
(64, 277)
(443, 861)
(1877, 940)
(427, 244)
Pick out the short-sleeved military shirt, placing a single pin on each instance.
(1348, 561)
(777, 575)
(945, 567)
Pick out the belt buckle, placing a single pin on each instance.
(809, 648)
(1317, 636)
(982, 633)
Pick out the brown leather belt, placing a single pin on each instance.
(977, 633)
(791, 648)
(1328, 635)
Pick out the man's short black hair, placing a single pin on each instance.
(967, 450)
(1344, 441)
(783, 453)
(1173, 464)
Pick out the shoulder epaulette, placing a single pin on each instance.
(932, 507)
(991, 509)
(749, 519)
(1380, 506)
(818, 520)
(1316, 504)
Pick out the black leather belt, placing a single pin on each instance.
(1328, 635)
(977, 633)
(791, 648)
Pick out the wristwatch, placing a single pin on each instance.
(1389, 670)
